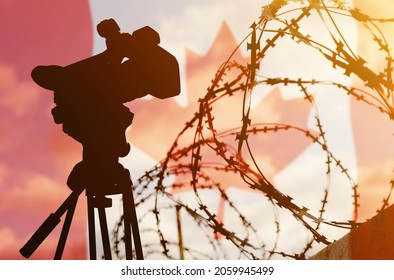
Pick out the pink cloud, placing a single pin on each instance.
(31, 201)
(34, 190)
(3, 173)
(10, 245)
(20, 97)
(37, 196)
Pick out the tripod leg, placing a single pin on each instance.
(130, 217)
(104, 233)
(127, 227)
(92, 230)
(49, 224)
(65, 229)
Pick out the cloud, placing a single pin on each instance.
(39, 195)
(34, 190)
(3, 173)
(31, 201)
(18, 96)
(8, 240)
(36, 196)
(10, 245)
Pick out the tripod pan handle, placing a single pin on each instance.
(39, 236)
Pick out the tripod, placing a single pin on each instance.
(115, 180)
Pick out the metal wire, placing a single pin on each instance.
(213, 158)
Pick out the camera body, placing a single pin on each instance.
(90, 93)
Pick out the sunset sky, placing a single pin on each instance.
(36, 157)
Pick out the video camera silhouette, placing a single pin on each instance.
(90, 93)
(89, 97)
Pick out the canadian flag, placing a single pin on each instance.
(36, 156)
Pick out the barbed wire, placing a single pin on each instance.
(203, 159)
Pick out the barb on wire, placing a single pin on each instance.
(194, 175)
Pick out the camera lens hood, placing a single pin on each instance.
(48, 77)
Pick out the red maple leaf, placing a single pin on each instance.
(157, 123)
